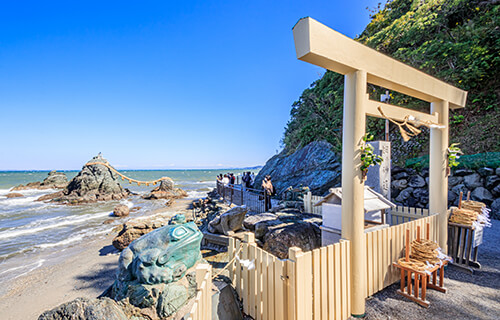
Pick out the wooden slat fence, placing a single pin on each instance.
(402, 214)
(308, 285)
(202, 307)
(309, 201)
(385, 246)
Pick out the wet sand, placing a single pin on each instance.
(85, 270)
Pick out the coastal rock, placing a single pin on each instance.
(495, 209)
(166, 190)
(57, 180)
(454, 180)
(482, 195)
(228, 222)
(95, 182)
(252, 220)
(496, 191)
(50, 196)
(304, 235)
(135, 229)
(463, 172)
(86, 309)
(315, 166)
(416, 181)
(121, 210)
(485, 171)
(473, 181)
(404, 194)
(29, 185)
(492, 181)
(400, 184)
(14, 195)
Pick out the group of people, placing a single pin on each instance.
(229, 178)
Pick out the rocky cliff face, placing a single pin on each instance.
(315, 166)
(94, 183)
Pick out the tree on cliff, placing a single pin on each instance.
(454, 40)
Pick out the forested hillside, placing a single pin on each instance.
(457, 41)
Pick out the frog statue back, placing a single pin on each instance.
(152, 269)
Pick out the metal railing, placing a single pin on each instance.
(252, 198)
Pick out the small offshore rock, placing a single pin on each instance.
(108, 221)
(121, 210)
(166, 190)
(50, 196)
(14, 195)
(56, 180)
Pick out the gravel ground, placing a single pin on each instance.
(469, 296)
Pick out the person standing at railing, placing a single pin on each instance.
(247, 181)
(268, 187)
(225, 180)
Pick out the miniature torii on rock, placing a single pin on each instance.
(317, 44)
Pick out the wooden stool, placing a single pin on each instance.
(411, 287)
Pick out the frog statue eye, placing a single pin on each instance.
(178, 233)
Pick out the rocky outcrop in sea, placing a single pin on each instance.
(166, 190)
(55, 180)
(95, 182)
(315, 166)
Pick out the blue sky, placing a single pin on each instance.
(153, 84)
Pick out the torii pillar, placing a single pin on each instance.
(317, 44)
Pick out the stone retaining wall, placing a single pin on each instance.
(410, 187)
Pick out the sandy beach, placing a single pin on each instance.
(81, 271)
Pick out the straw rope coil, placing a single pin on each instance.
(473, 205)
(424, 255)
(464, 216)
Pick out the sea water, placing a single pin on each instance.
(32, 233)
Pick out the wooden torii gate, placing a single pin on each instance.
(317, 44)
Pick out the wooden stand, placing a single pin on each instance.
(415, 286)
(461, 245)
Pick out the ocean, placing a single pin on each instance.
(32, 233)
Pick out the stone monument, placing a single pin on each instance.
(379, 176)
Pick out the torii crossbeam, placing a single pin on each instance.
(317, 44)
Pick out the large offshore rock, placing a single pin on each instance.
(304, 235)
(95, 182)
(229, 221)
(166, 190)
(86, 309)
(315, 166)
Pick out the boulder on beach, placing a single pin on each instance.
(95, 182)
(135, 229)
(83, 308)
(228, 222)
(166, 190)
(121, 210)
(14, 195)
